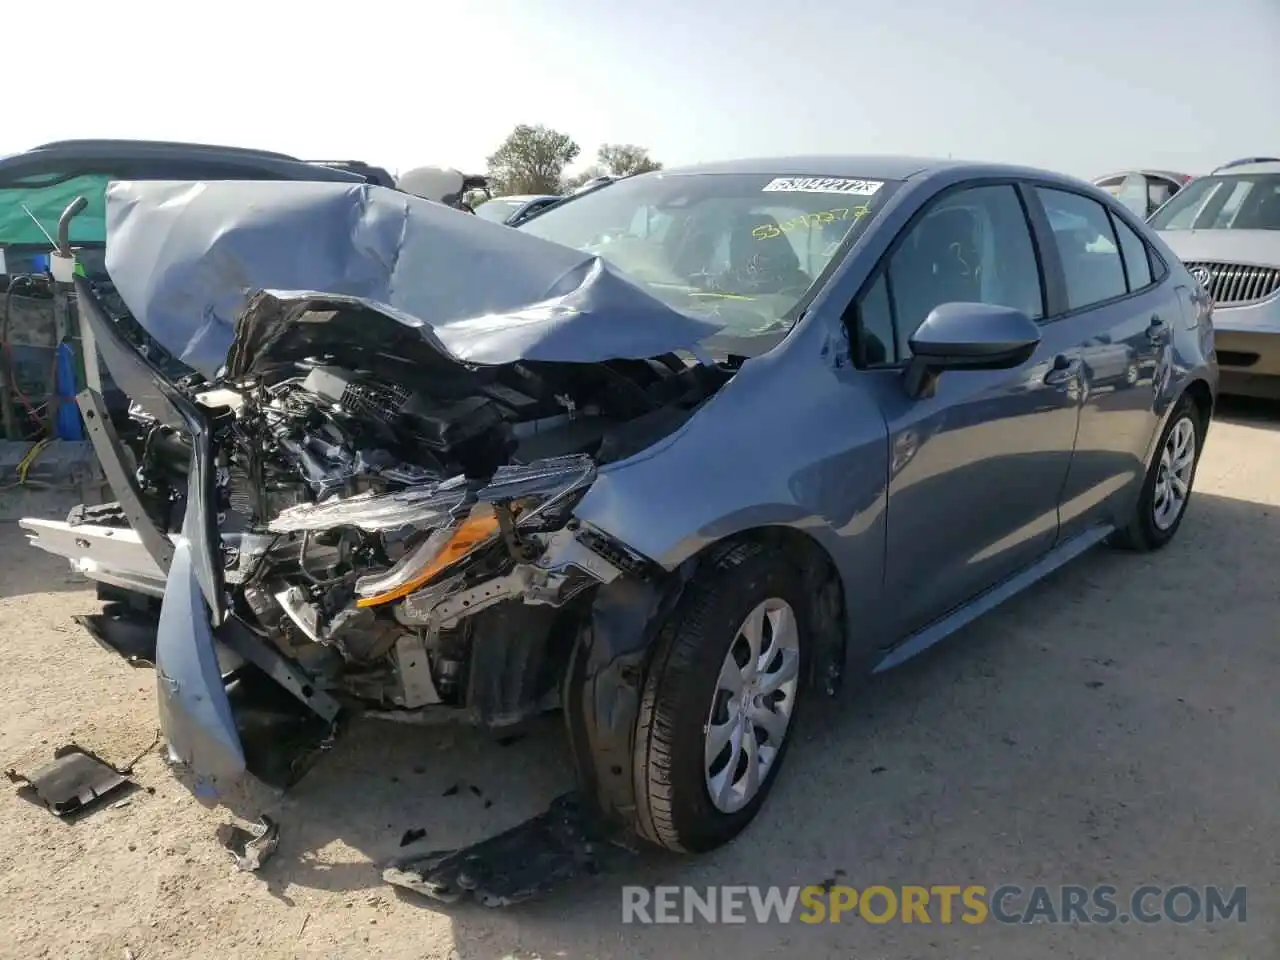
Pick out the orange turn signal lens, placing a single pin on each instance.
(477, 529)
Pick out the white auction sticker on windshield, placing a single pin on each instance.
(860, 188)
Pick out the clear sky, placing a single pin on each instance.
(1083, 86)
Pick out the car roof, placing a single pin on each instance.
(1269, 166)
(1146, 172)
(867, 166)
(162, 159)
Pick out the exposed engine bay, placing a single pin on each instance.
(382, 513)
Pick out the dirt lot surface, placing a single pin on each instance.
(1118, 724)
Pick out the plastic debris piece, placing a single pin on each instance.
(253, 847)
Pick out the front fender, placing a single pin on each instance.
(790, 441)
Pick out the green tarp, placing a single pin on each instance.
(46, 203)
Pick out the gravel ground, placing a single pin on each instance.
(1118, 724)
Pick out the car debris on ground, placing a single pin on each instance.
(253, 847)
(517, 864)
(75, 781)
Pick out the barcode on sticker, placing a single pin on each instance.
(862, 188)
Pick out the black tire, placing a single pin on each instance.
(1142, 533)
(673, 806)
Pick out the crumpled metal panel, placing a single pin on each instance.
(186, 257)
(195, 714)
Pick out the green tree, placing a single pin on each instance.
(624, 159)
(531, 160)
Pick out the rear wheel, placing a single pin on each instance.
(1167, 489)
(720, 701)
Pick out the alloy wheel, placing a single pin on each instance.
(752, 706)
(1173, 479)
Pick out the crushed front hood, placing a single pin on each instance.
(186, 257)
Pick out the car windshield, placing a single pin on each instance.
(743, 250)
(1249, 201)
(498, 209)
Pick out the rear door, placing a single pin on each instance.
(1120, 312)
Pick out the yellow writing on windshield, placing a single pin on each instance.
(805, 221)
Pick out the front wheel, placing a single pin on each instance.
(720, 700)
(1167, 489)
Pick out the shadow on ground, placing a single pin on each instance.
(39, 572)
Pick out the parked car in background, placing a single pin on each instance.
(1143, 191)
(595, 182)
(1226, 229)
(516, 210)
(38, 184)
(446, 185)
(523, 472)
(35, 186)
(1238, 163)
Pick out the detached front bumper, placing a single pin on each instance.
(192, 665)
(195, 713)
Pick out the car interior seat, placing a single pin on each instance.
(767, 265)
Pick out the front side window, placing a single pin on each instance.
(744, 250)
(875, 338)
(1087, 245)
(1240, 202)
(972, 246)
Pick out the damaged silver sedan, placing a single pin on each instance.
(670, 457)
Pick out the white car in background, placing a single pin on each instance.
(1226, 228)
(1143, 191)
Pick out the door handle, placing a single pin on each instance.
(1157, 332)
(1064, 370)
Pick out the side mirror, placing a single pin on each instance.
(968, 336)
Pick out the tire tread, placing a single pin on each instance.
(682, 638)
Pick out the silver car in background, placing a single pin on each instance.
(1143, 191)
(1226, 229)
(515, 210)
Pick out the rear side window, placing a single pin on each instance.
(1088, 247)
(1136, 259)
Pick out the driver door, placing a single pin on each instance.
(977, 470)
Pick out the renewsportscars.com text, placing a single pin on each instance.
(940, 904)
